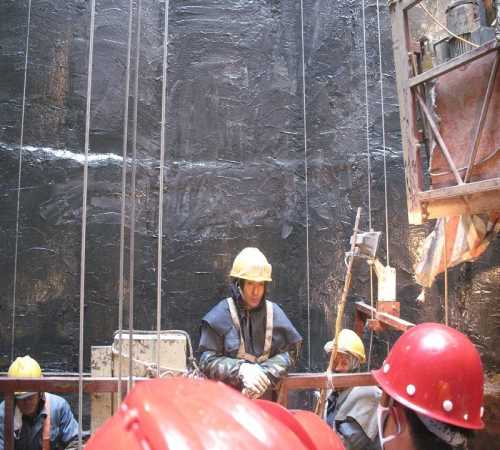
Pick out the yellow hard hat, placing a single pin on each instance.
(350, 343)
(24, 367)
(251, 264)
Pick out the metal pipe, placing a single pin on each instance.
(439, 138)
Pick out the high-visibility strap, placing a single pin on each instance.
(46, 425)
(242, 353)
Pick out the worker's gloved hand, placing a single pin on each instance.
(254, 379)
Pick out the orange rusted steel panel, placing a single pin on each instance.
(459, 98)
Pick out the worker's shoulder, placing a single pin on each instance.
(56, 401)
(365, 392)
(221, 307)
(219, 317)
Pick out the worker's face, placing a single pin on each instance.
(28, 406)
(253, 292)
(342, 363)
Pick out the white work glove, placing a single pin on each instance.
(255, 381)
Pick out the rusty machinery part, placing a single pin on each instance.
(366, 244)
(203, 414)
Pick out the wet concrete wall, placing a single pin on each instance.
(235, 170)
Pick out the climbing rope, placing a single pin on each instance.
(381, 79)
(19, 172)
(123, 199)
(445, 243)
(369, 167)
(133, 193)
(445, 28)
(84, 225)
(160, 194)
(306, 186)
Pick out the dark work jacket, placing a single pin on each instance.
(220, 341)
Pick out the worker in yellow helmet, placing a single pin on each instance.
(352, 412)
(42, 421)
(247, 341)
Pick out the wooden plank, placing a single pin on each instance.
(302, 381)
(455, 63)
(389, 320)
(413, 165)
(459, 191)
(64, 385)
(483, 202)
(101, 404)
(9, 421)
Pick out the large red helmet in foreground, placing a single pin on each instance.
(186, 414)
(435, 370)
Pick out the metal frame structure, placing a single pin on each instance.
(464, 197)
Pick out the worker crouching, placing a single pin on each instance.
(352, 412)
(247, 341)
(42, 421)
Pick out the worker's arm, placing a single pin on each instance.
(221, 368)
(278, 366)
(63, 419)
(2, 419)
(213, 363)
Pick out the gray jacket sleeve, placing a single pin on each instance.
(2, 415)
(354, 437)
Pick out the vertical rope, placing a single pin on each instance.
(306, 186)
(369, 169)
(19, 172)
(84, 224)
(445, 273)
(381, 76)
(133, 189)
(160, 194)
(123, 202)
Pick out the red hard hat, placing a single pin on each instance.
(324, 437)
(436, 371)
(313, 432)
(187, 414)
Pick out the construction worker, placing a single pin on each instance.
(432, 382)
(352, 412)
(246, 341)
(42, 421)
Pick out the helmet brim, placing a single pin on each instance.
(24, 395)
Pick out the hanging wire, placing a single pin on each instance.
(133, 189)
(160, 194)
(306, 186)
(84, 224)
(383, 135)
(19, 172)
(456, 36)
(369, 169)
(123, 201)
(445, 243)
